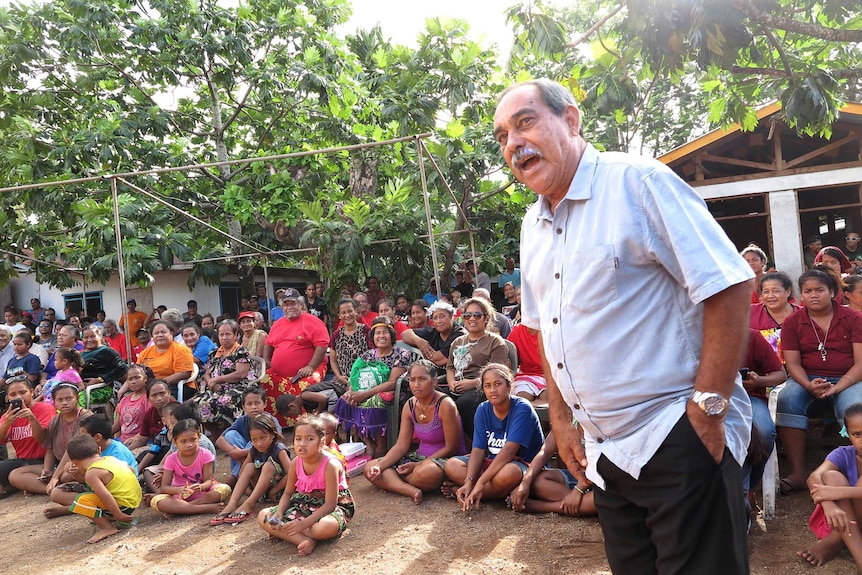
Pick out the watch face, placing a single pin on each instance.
(714, 405)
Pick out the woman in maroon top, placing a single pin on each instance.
(822, 346)
(775, 292)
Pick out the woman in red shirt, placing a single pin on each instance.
(24, 424)
(822, 345)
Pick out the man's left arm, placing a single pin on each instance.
(725, 333)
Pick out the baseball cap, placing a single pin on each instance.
(131, 301)
(249, 314)
(290, 293)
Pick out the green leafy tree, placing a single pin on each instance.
(92, 86)
(740, 53)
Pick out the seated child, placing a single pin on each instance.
(235, 441)
(68, 363)
(149, 461)
(330, 425)
(116, 492)
(264, 470)
(132, 411)
(97, 426)
(187, 486)
(289, 406)
(547, 490)
(837, 491)
(186, 410)
(316, 504)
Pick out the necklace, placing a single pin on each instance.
(421, 415)
(821, 345)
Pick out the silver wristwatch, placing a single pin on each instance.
(713, 404)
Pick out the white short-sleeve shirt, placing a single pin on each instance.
(614, 279)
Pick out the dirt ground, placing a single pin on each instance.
(388, 535)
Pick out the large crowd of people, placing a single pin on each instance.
(106, 416)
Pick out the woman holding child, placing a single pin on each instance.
(431, 418)
(225, 377)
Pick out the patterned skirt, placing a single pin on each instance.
(304, 504)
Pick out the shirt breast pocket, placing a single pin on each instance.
(590, 283)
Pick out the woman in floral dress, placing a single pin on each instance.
(225, 378)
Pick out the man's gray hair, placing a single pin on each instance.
(482, 293)
(173, 317)
(554, 95)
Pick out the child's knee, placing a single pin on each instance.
(835, 478)
(455, 467)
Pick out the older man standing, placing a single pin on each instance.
(295, 350)
(652, 380)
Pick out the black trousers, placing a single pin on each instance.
(685, 515)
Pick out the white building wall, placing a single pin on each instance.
(786, 231)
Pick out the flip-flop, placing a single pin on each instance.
(787, 487)
(235, 518)
(219, 519)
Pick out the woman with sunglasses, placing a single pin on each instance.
(468, 355)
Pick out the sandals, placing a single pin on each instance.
(219, 519)
(235, 518)
(787, 487)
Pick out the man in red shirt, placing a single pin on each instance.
(295, 351)
(115, 339)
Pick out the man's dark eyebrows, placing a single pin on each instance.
(522, 112)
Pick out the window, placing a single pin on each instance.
(74, 302)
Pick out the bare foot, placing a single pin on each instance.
(823, 551)
(417, 497)
(102, 534)
(146, 499)
(448, 489)
(306, 547)
(54, 512)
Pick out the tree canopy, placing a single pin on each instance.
(91, 87)
(731, 55)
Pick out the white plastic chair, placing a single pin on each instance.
(181, 384)
(770, 482)
(106, 405)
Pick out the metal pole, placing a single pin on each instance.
(121, 271)
(266, 285)
(215, 164)
(428, 215)
(457, 204)
(181, 212)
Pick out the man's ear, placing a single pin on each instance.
(572, 115)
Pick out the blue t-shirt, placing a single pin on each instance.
(520, 426)
(117, 450)
(27, 365)
(240, 425)
(203, 348)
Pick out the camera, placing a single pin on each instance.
(744, 372)
(17, 404)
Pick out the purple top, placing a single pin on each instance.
(844, 458)
(431, 436)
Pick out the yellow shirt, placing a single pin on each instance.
(177, 358)
(124, 485)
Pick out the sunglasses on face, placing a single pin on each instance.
(849, 239)
(469, 314)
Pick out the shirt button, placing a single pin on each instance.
(555, 320)
(559, 231)
(600, 440)
(577, 406)
(557, 276)
(559, 366)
